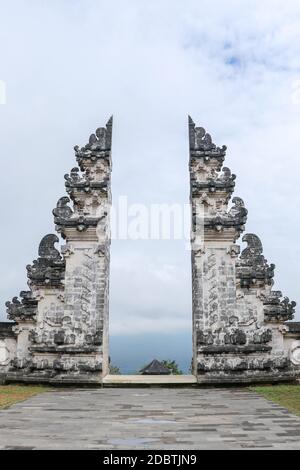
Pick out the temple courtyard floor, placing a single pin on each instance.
(148, 418)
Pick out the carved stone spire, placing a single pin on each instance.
(88, 186)
(252, 267)
(99, 145)
(212, 187)
(201, 143)
(254, 272)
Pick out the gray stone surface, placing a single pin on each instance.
(151, 418)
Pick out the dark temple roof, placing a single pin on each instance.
(294, 326)
(155, 368)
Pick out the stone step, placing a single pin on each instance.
(157, 380)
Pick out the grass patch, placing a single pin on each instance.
(10, 394)
(285, 395)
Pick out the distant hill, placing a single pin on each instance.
(131, 353)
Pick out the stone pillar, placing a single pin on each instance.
(8, 348)
(86, 229)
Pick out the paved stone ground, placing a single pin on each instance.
(149, 418)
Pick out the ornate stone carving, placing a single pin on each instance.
(80, 222)
(206, 338)
(295, 353)
(278, 309)
(99, 146)
(236, 337)
(47, 249)
(238, 210)
(213, 183)
(254, 249)
(262, 336)
(22, 310)
(62, 210)
(252, 267)
(201, 141)
(226, 175)
(236, 218)
(87, 183)
(74, 177)
(90, 190)
(233, 250)
(67, 250)
(99, 141)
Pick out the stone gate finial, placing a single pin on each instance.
(201, 141)
(98, 141)
(98, 147)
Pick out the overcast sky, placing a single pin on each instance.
(234, 66)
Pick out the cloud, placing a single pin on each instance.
(67, 66)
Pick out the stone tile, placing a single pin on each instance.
(152, 418)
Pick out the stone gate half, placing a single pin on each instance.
(240, 332)
(60, 326)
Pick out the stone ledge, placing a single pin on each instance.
(6, 330)
(237, 379)
(59, 379)
(231, 349)
(65, 349)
